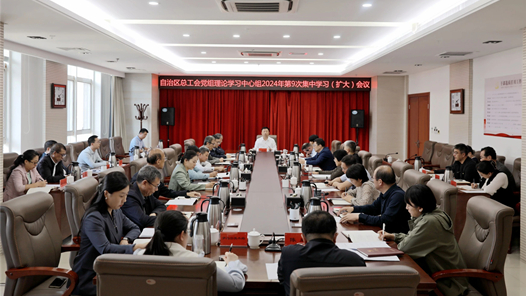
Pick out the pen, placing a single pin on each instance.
(383, 230)
(230, 250)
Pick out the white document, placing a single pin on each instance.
(330, 190)
(142, 240)
(221, 265)
(272, 271)
(147, 232)
(321, 177)
(182, 201)
(322, 185)
(376, 244)
(45, 189)
(316, 169)
(223, 175)
(339, 202)
(223, 163)
(360, 236)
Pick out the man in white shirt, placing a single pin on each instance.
(89, 158)
(203, 165)
(265, 141)
(138, 141)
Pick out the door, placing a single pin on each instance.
(418, 123)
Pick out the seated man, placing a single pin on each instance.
(47, 148)
(337, 172)
(343, 183)
(137, 141)
(89, 158)
(210, 143)
(265, 141)
(218, 152)
(141, 206)
(51, 167)
(312, 138)
(489, 154)
(350, 147)
(319, 232)
(471, 154)
(323, 158)
(464, 168)
(156, 158)
(202, 164)
(388, 208)
(307, 149)
(198, 173)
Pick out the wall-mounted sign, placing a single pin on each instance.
(503, 106)
(266, 83)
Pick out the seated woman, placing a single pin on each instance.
(337, 172)
(104, 230)
(23, 175)
(430, 240)
(180, 179)
(364, 192)
(170, 239)
(495, 183)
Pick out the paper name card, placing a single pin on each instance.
(293, 239)
(238, 239)
(63, 182)
(120, 162)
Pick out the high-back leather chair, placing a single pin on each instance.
(365, 155)
(445, 195)
(484, 244)
(178, 149)
(76, 149)
(67, 159)
(399, 168)
(40, 151)
(275, 137)
(188, 142)
(170, 161)
(101, 175)
(370, 281)
(9, 159)
(374, 162)
(32, 243)
(104, 150)
(413, 177)
(437, 153)
(429, 148)
(77, 199)
(500, 158)
(119, 148)
(447, 158)
(132, 275)
(136, 165)
(517, 172)
(335, 145)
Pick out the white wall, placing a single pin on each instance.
(500, 64)
(137, 89)
(435, 82)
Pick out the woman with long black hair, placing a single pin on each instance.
(104, 230)
(23, 175)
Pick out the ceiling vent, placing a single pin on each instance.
(259, 54)
(259, 6)
(396, 72)
(76, 49)
(37, 37)
(297, 53)
(492, 42)
(454, 54)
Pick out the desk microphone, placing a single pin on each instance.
(273, 245)
(389, 154)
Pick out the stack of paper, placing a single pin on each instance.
(321, 177)
(376, 244)
(272, 271)
(340, 202)
(45, 189)
(223, 175)
(361, 236)
(182, 201)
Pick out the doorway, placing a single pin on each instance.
(417, 123)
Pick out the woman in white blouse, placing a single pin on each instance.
(495, 183)
(170, 239)
(364, 192)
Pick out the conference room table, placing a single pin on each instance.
(264, 177)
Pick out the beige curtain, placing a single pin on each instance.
(118, 112)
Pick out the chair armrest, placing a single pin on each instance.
(167, 179)
(473, 273)
(16, 273)
(432, 165)
(70, 248)
(121, 156)
(164, 198)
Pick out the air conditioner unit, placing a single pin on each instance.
(266, 54)
(259, 6)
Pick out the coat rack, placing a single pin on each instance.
(141, 108)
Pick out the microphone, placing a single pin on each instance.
(393, 153)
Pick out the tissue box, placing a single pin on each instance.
(246, 176)
(291, 200)
(237, 200)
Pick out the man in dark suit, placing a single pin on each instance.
(51, 167)
(47, 148)
(319, 231)
(141, 206)
(323, 158)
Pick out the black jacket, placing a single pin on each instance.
(163, 190)
(45, 169)
(138, 208)
(316, 253)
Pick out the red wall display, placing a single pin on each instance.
(240, 114)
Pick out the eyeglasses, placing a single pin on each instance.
(154, 184)
(34, 162)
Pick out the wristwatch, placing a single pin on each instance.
(127, 239)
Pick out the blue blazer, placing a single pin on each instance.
(324, 159)
(100, 235)
(139, 208)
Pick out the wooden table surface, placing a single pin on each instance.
(256, 259)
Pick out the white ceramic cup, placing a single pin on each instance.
(310, 168)
(214, 236)
(241, 166)
(298, 191)
(285, 183)
(89, 173)
(255, 239)
(294, 214)
(289, 171)
(243, 185)
(71, 179)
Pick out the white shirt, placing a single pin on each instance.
(204, 166)
(500, 181)
(269, 144)
(313, 153)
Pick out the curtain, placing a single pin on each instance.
(240, 114)
(118, 111)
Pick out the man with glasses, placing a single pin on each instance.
(51, 167)
(141, 206)
(464, 168)
(89, 158)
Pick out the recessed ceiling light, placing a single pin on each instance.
(278, 62)
(312, 63)
(213, 62)
(186, 35)
(236, 36)
(492, 42)
(320, 53)
(153, 3)
(203, 52)
(337, 36)
(367, 5)
(246, 62)
(286, 36)
(36, 37)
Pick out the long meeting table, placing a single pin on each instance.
(265, 211)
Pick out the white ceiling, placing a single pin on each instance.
(150, 38)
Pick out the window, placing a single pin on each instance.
(7, 104)
(80, 102)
